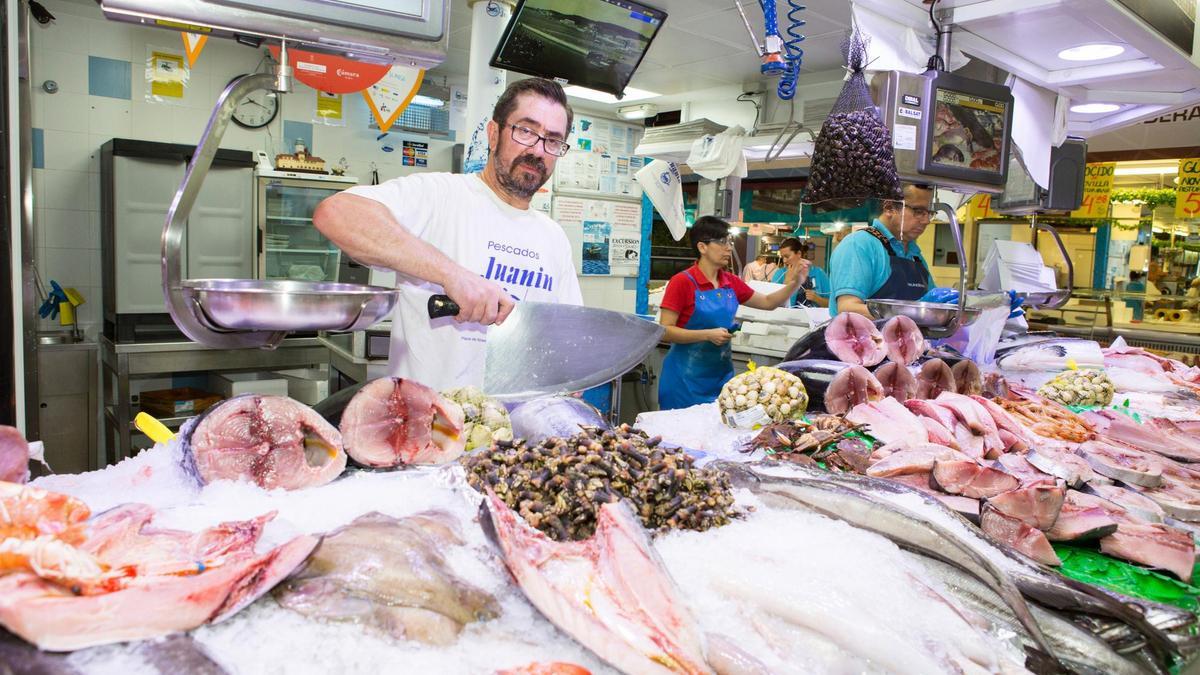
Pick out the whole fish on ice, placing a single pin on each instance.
(390, 573)
(560, 416)
(1051, 355)
(271, 441)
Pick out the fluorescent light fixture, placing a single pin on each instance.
(1146, 170)
(631, 94)
(1094, 51)
(428, 101)
(1094, 108)
(638, 112)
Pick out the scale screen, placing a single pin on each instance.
(968, 131)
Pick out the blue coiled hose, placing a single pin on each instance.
(792, 53)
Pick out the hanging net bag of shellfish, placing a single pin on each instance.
(852, 158)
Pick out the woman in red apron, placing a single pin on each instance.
(698, 309)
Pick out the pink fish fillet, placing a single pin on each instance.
(889, 422)
(1123, 463)
(1079, 523)
(854, 339)
(850, 387)
(271, 441)
(1019, 438)
(393, 421)
(1037, 505)
(1020, 536)
(977, 419)
(611, 592)
(897, 381)
(903, 340)
(1155, 545)
(970, 479)
(920, 458)
(14, 456)
(934, 378)
(1026, 473)
(938, 433)
(54, 619)
(1156, 435)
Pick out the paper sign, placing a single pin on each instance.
(329, 106)
(415, 153)
(388, 98)
(905, 137)
(981, 207)
(167, 75)
(1097, 185)
(332, 74)
(1187, 192)
(192, 46)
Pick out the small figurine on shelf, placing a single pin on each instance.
(342, 167)
(300, 160)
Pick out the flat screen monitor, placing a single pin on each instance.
(596, 44)
(968, 127)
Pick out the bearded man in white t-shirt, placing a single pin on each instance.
(470, 236)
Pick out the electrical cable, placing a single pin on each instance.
(757, 108)
(935, 62)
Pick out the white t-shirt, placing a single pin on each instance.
(523, 251)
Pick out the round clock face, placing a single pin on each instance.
(256, 109)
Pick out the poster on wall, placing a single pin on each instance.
(596, 235)
(608, 233)
(388, 98)
(329, 110)
(167, 75)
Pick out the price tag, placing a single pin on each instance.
(1097, 185)
(1187, 192)
(981, 207)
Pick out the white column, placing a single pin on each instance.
(484, 83)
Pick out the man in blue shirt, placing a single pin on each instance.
(883, 261)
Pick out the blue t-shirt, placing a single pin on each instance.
(860, 266)
(819, 278)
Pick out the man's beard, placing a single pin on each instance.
(516, 182)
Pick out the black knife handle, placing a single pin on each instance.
(442, 305)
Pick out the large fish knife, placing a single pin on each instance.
(547, 348)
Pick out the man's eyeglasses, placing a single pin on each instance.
(919, 211)
(529, 138)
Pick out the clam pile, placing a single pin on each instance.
(558, 485)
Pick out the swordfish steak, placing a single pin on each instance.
(271, 441)
(853, 338)
(392, 422)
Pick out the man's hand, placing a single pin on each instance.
(481, 301)
(718, 336)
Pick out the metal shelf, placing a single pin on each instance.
(285, 249)
(172, 422)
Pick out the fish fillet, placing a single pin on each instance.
(393, 421)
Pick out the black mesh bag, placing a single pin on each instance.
(852, 157)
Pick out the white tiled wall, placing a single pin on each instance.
(75, 125)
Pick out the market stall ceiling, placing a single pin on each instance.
(702, 45)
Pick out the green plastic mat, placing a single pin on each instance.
(1093, 567)
(1119, 405)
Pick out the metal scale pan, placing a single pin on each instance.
(242, 313)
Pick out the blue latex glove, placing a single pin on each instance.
(943, 295)
(1014, 304)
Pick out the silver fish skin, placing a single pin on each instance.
(1035, 582)
(1082, 651)
(896, 523)
(1050, 355)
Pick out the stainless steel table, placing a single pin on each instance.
(121, 361)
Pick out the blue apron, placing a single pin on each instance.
(909, 279)
(694, 373)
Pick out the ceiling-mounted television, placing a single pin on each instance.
(596, 44)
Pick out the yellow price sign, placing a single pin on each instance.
(1187, 192)
(1097, 186)
(981, 207)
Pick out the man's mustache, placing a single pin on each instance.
(535, 162)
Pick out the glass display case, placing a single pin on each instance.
(289, 246)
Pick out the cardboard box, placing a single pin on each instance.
(236, 384)
(179, 402)
(310, 386)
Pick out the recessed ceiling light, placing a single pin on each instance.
(1094, 108)
(1091, 52)
(631, 94)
